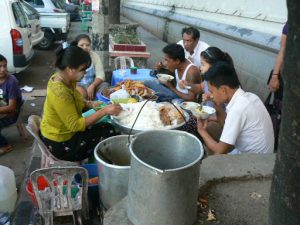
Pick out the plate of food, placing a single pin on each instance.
(190, 105)
(204, 112)
(133, 88)
(153, 116)
(163, 78)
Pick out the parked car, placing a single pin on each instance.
(55, 22)
(33, 17)
(73, 10)
(15, 37)
(46, 6)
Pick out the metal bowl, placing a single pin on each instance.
(126, 129)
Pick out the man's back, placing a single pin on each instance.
(248, 125)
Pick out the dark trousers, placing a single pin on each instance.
(4, 122)
(82, 144)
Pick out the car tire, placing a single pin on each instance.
(47, 41)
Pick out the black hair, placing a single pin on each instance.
(214, 54)
(222, 73)
(72, 57)
(191, 31)
(2, 58)
(174, 51)
(79, 38)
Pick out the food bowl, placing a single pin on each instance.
(204, 113)
(190, 105)
(163, 78)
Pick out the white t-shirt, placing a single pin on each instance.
(195, 58)
(248, 126)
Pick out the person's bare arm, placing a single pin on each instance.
(221, 114)
(274, 82)
(216, 147)
(10, 108)
(192, 77)
(91, 89)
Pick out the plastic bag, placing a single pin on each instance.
(119, 94)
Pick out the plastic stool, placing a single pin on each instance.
(84, 25)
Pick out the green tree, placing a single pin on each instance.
(285, 191)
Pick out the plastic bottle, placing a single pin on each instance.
(8, 190)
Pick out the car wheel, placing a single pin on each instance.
(47, 41)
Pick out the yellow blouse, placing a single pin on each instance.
(62, 112)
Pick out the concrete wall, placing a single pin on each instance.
(249, 30)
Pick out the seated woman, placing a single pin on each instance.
(64, 131)
(94, 78)
(175, 60)
(10, 102)
(208, 58)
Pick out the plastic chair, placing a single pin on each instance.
(63, 196)
(121, 62)
(47, 159)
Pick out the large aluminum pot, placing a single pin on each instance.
(113, 158)
(164, 178)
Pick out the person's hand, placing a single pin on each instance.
(274, 83)
(182, 84)
(158, 65)
(207, 97)
(113, 109)
(201, 125)
(96, 104)
(90, 92)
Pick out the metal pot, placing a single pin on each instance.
(164, 178)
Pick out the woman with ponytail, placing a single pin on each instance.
(208, 58)
(67, 134)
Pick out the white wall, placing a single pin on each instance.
(249, 30)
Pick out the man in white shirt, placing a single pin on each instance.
(247, 124)
(192, 45)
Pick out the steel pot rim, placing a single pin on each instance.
(198, 159)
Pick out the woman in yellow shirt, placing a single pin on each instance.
(65, 132)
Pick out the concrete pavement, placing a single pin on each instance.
(215, 170)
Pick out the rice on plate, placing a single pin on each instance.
(152, 116)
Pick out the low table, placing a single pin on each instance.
(121, 75)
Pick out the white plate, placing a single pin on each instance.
(189, 105)
(164, 77)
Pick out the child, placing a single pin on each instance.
(10, 102)
(94, 78)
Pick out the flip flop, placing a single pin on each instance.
(5, 149)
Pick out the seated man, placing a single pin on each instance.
(192, 45)
(175, 60)
(247, 124)
(10, 102)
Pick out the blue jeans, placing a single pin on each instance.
(161, 91)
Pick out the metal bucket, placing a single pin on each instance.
(113, 159)
(164, 178)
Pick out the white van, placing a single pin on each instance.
(15, 37)
(33, 18)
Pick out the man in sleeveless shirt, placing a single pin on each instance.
(174, 60)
